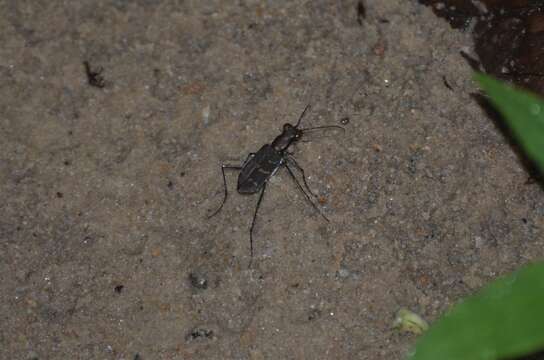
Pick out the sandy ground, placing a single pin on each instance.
(106, 251)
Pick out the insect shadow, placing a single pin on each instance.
(259, 167)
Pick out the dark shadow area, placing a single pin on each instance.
(508, 36)
(535, 356)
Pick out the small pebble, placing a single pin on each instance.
(343, 273)
(199, 334)
(408, 321)
(198, 281)
(206, 114)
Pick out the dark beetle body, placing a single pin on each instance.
(261, 166)
(258, 169)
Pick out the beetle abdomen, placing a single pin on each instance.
(259, 169)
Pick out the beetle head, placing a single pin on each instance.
(292, 131)
(289, 135)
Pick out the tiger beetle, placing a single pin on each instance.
(259, 167)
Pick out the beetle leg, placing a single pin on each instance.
(295, 163)
(253, 224)
(304, 192)
(223, 167)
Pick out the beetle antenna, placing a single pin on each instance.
(302, 115)
(323, 127)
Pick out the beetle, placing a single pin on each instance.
(259, 167)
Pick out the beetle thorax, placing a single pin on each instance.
(289, 135)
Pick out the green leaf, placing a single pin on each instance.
(522, 111)
(504, 320)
